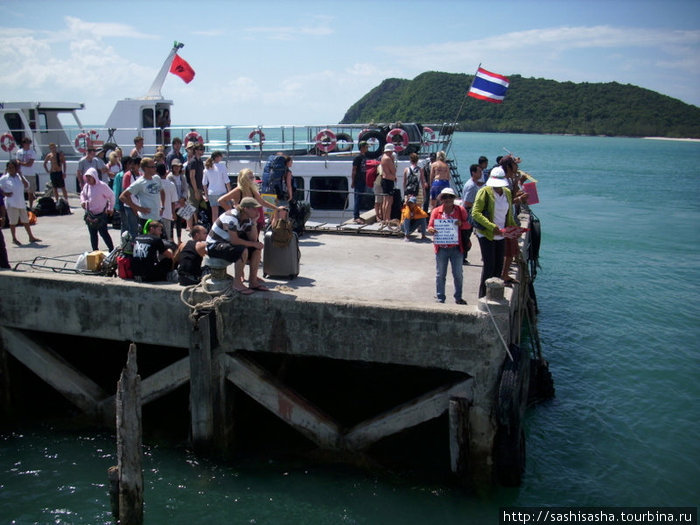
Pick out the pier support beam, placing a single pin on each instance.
(201, 386)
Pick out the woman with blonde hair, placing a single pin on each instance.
(246, 187)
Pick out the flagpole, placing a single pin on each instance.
(466, 95)
(154, 91)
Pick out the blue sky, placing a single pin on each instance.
(305, 62)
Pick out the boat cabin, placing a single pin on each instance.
(145, 117)
(43, 122)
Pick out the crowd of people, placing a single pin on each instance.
(490, 202)
(153, 199)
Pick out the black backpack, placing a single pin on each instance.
(413, 180)
(62, 208)
(45, 206)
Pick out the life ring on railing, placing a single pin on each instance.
(93, 135)
(398, 145)
(326, 140)
(193, 136)
(257, 133)
(7, 142)
(344, 142)
(82, 141)
(428, 136)
(375, 139)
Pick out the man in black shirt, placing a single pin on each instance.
(151, 259)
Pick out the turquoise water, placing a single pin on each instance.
(619, 320)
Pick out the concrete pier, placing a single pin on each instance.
(357, 299)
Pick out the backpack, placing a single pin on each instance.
(424, 166)
(62, 207)
(45, 206)
(124, 267)
(274, 174)
(413, 180)
(371, 171)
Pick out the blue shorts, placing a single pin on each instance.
(437, 187)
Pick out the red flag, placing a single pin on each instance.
(182, 69)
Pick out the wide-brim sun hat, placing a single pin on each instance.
(497, 178)
(389, 147)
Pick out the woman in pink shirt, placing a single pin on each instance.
(97, 199)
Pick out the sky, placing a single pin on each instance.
(301, 62)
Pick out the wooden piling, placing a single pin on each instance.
(129, 443)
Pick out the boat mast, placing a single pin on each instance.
(154, 91)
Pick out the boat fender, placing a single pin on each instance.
(81, 142)
(428, 136)
(257, 133)
(344, 142)
(7, 142)
(376, 142)
(193, 136)
(326, 140)
(398, 145)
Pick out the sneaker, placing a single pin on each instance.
(439, 300)
(461, 301)
(406, 239)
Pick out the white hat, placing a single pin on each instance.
(92, 172)
(448, 191)
(497, 178)
(389, 147)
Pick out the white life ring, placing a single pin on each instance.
(326, 140)
(399, 146)
(260, 134)
(82, 141)
(428, 136)
(7, 142)
(193, 136)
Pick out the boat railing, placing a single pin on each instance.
(246, 140)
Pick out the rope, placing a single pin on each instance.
(500, 336)
(202, 308)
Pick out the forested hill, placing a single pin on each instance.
(532, 105)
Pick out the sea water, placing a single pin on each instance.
(619, 320)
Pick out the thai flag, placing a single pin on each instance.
(489, 86)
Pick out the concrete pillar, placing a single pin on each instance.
(201, 388)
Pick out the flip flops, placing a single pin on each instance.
(260, 288)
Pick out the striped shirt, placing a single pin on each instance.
(229, 221)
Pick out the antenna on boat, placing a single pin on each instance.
(154, 91)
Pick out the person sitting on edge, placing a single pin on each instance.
(151, 260)
(234, 238)
(188, 257)
(412, 218)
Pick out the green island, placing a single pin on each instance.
(532, 105)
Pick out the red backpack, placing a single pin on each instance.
(371, 166)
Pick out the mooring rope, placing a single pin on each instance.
(498, 331)
(198, 309)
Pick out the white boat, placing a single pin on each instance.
(322, 154)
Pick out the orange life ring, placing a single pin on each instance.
(82, 141)
(193, 136)
(428, 136)
(7, 142)
(257, 133)
(326, 140)
(399, 146)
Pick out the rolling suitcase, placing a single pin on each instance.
(281, 260)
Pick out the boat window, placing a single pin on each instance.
(329, 193)
(15, 125)
(43, 123)
(147, 118)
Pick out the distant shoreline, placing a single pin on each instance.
(670, 138)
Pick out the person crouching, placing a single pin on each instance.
(151, 260)
(234, 238)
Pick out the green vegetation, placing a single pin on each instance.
(532, 105)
